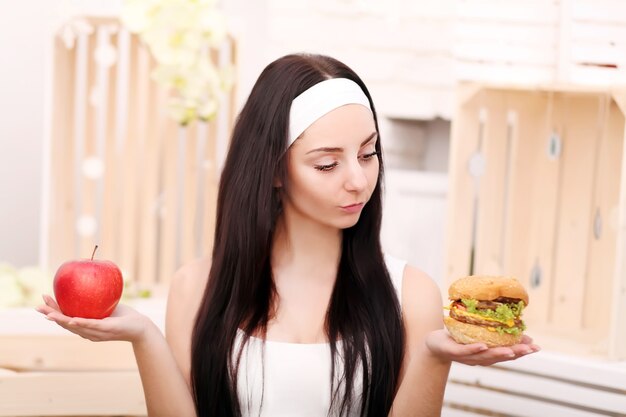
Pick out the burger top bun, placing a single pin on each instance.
(480, 287)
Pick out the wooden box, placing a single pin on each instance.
(47, 371)
(538, 191)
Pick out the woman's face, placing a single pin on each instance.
(333, 167)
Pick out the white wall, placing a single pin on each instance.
(23, 26)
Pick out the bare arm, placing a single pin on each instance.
(164, 386)
(163, 365)
(423, 375)
(173, 398)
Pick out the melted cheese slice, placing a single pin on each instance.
(509, 322)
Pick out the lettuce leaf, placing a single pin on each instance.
(503, 313)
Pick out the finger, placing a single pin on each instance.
(90, 334)
(50, 302)
(494, 355)
(527, 340)
(521, 349)
(44, 309)
(76, 326)
(85, 333)
(87, 323)
(60, 318)
(469, 350)
(449, 347)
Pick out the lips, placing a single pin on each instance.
(352, 208)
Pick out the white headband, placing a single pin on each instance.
(321, 99)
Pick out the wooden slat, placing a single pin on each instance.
(492, 190)
(543, 389)
(63, 352)
(201, 214)
(453, 412)
(109, 248)
(597, 31)
(72, 394)
(509, 405)
(617, 336)
(489, 51)
(577, 369)
(6, 372)
(541, 35)
(128, 231)
(62, 203)
(605, 53)
(464, 140)
(499, 72)
(604, 11)
(596, 75)
(147, 192)
(534, 185)
(189, 203)
(580, 134)
(601, 265)
(534, 12)
(88, 187)
(211, 181)
(429, 102)
(167, 235)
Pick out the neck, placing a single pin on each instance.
(305, 250)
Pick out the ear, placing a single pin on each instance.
(277, 183)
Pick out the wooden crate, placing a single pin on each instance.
(543, 384)
(538, 191)
(514, 42)
(120, 172)
(47, 371)
(580, 42)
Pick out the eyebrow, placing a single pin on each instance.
(330, 149)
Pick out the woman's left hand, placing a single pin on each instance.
(445, 348)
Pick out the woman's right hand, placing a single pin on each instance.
(125, 323)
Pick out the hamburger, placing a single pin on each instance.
(486, 309)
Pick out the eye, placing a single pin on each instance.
(369, 156)
(326, 167)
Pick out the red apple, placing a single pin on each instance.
(88, 288)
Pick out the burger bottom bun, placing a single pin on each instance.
(466, 334)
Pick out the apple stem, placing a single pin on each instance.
(94, 252)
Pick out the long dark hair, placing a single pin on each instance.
(364, 311)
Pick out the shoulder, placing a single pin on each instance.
(190, 277)
(186, 292)
(419, 288)
(416, 289)
(422, 304)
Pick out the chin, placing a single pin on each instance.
(346, 224)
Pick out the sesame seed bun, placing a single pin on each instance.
(480, 287)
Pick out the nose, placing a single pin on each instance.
(356, 179)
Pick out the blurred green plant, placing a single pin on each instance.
(180, 35)
(23, 287)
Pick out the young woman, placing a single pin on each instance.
(298, 312)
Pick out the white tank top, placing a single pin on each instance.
(297, 376)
